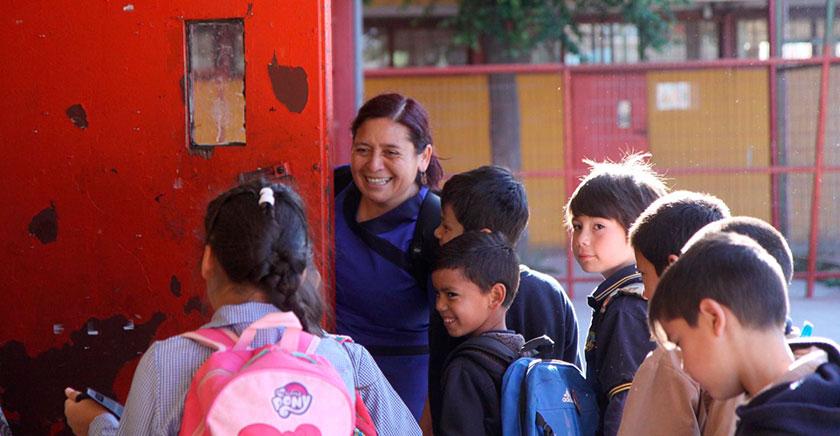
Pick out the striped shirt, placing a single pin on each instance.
(163, 376)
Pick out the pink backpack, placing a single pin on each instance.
(278, 389)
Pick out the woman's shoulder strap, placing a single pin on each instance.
(424, 246)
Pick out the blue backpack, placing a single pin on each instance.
(546, 397)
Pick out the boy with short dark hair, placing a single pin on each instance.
(490, 198)
(660, 384)
(724, 302)
(476, 277)
(759, 231)
(599, 213)
(769, 239)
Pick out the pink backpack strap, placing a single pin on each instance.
(294, 338)
(220, 339)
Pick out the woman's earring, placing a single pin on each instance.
(423, 179)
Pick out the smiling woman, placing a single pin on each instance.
(380, 300)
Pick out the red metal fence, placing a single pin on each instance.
(798, 102)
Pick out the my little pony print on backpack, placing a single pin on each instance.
(277, 389)
(546, 397)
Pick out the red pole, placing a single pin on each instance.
(774, 150)
(568, 173)
(819, 152)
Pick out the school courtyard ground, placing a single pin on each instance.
(822, 310)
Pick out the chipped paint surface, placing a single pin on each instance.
(77, 116)
(289, 85)
(175, 286)
(76, 198)
(81, 362)
(44, 225)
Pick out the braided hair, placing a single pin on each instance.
(266, 244)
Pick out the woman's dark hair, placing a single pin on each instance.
(412, 115)
(266, 246)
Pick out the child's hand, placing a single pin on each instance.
(80, 415)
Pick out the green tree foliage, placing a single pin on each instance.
(517, 26)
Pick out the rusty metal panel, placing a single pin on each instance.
(103, 197)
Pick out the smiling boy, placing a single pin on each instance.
(599, 213)
(476, 278)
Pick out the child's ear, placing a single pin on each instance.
(712, 314)
(671, 259)
(497, 295)
(207, 262)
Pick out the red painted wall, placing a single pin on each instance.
(124, 197)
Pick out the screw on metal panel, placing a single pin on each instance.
(128, 8)
(58, 329)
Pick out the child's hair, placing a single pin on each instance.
(411, 114)
(730, 269)
(668, 223)
(760, 231)
(488, 197)
(485, 259)
(619, 191)
(265, 245)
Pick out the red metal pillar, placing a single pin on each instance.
(568, 174)
(344, 79)
(775, 207)
(820, 149)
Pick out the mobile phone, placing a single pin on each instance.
(108, 403)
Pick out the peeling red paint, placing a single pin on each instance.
(77, 116)
(44, 225)
(289, 85)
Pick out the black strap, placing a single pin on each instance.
(382, 246)
(491, 354)
(533, 346)
(424, 246)
(547, 430)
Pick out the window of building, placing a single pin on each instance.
(400, 44)
(610, 43)
(752, 39)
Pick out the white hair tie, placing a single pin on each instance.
(267, 196)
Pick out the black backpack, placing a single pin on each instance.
(424, 246)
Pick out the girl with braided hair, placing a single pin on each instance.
(255, 259)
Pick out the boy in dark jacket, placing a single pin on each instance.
(599, 214)
(490, 198)
(476, 278)
(724, 303)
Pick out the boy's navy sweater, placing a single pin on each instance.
(808, 406)
(618, 341)
(540, 307)
(472, 384)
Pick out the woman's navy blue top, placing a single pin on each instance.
(379, 303)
